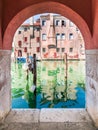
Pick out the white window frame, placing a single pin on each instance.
(64, 23)
(57, 22)
(63, 36)
(44, 37)
(58, 36)
(43, 22)
(71, 36)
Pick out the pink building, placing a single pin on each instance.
(51, 36)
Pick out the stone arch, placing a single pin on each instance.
(46, 7)
(91, 55)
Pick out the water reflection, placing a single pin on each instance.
(53, 91)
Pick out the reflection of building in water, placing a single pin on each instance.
(52, 81)
(51, 36)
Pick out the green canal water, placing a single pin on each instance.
(52, 89)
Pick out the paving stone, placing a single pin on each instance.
(64, 115)
(18, 121)
(23, 116)
(48, 126)
(19, 126)
(76, 126)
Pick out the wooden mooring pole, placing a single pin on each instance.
(66, 74)
(34, 72)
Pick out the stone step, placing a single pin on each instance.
(48, 115)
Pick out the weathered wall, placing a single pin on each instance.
(5, 82)
(95, 23)
(92, 68)
(1, 24)
(92, 84)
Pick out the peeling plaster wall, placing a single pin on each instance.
(92, 84)
(5, 82)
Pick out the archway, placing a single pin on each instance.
(43, 8)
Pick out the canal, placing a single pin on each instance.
(53, 89)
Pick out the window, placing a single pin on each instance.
(25, 49)
(57, 22)
(58, 36)
(70, 36)
(58, 49)
(25, 29)
(63, 23)
(38, 49)
(25, 39)
(62, 36)
(71, 49)
(38, 28)
(63, 49)
(43, 36)
(70, 24)
(37, 39)
(43, 22)
(19, 53)
(44, 49)
(19, 43)
(19, 32)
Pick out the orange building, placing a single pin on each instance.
(50, 36)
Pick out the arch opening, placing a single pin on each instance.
(58, 45)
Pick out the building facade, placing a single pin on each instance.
(50, 36)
